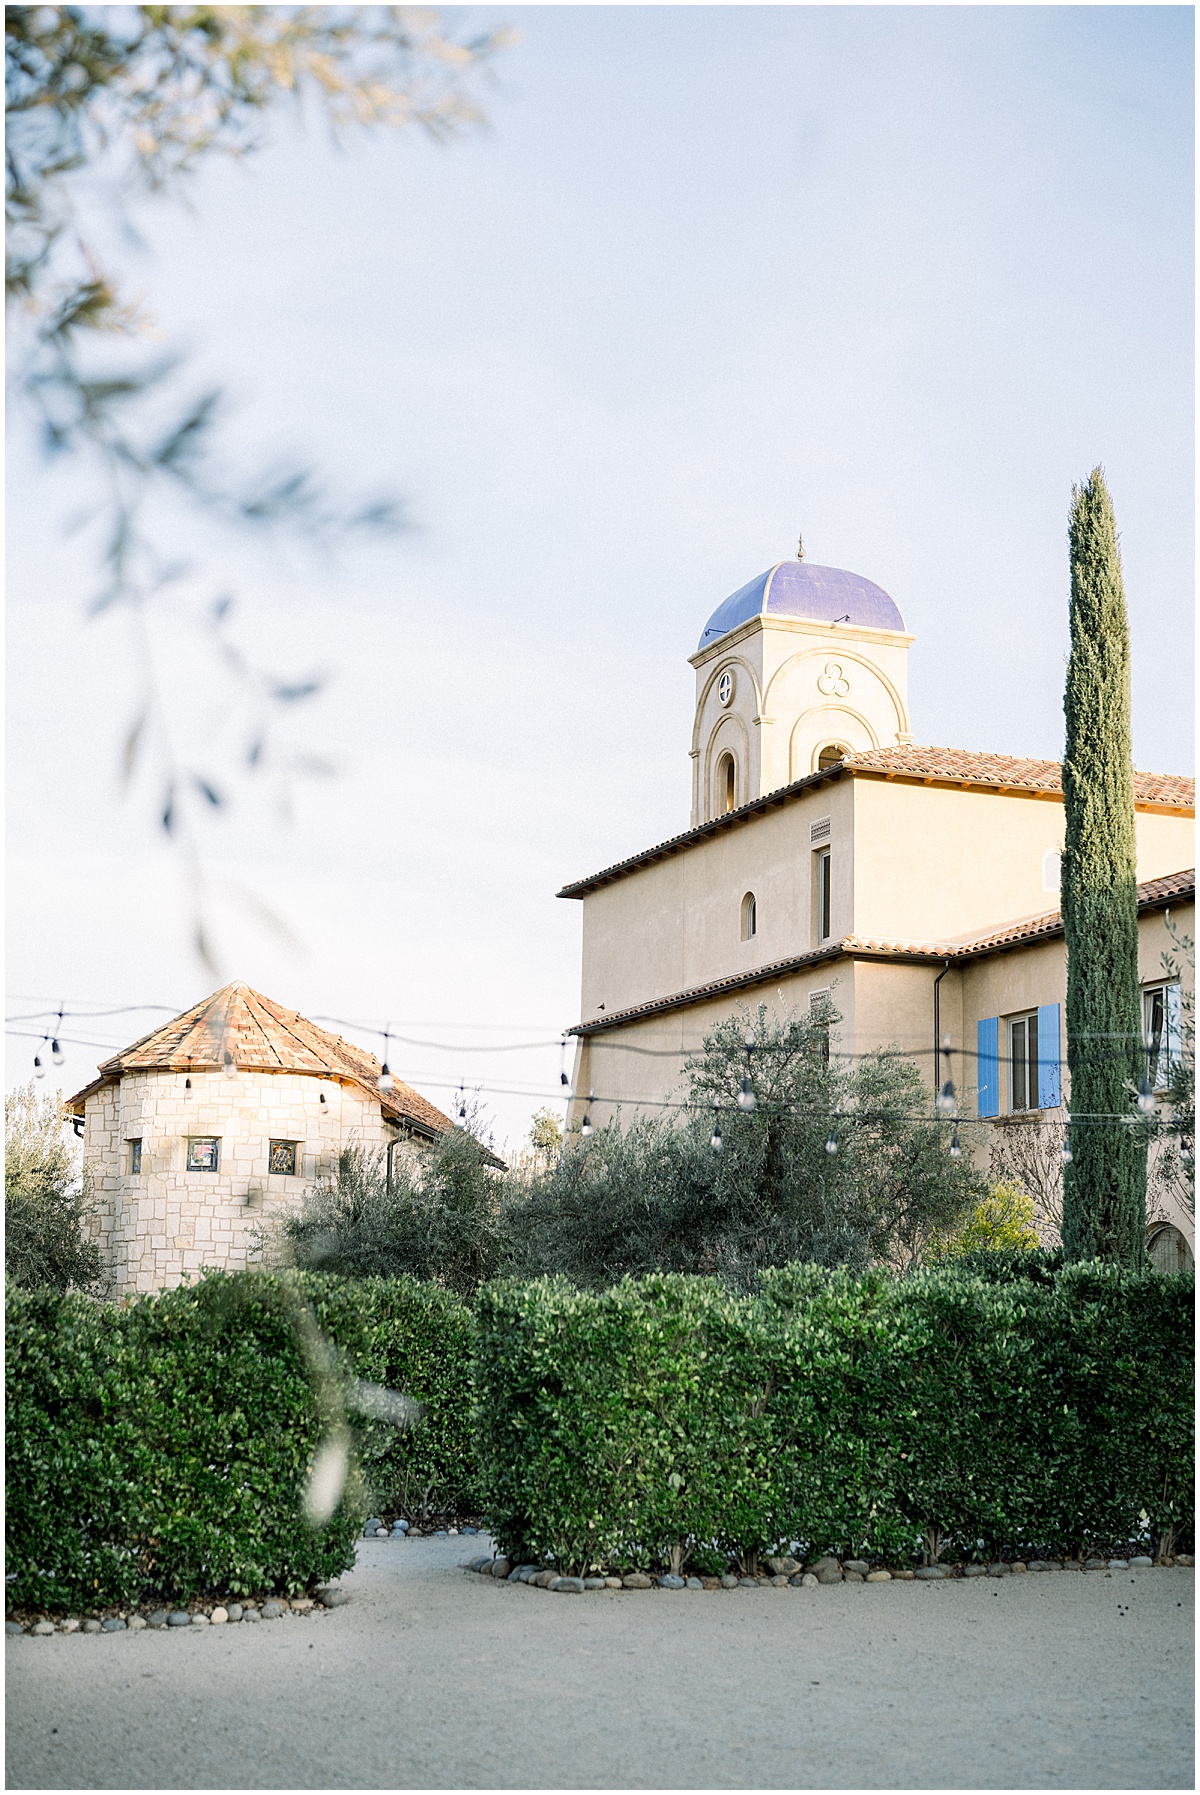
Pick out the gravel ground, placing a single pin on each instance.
(432, 1678)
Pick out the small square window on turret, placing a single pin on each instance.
(282, 1162)
(203, 1153)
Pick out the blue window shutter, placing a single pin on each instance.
(988, 1036)
(1049, 1057)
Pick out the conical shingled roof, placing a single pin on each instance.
(261, 1036)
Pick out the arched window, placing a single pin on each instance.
(1168, 1250)
(829, 756)
(749, 917)
(726, 793)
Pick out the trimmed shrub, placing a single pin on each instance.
(418, 1338)
(163, 1446)
(667, 1418)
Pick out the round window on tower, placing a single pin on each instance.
(725, 686)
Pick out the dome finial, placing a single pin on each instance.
(800, 549)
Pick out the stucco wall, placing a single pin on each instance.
(638, 1068)
(677, 923)
(159, 1225)
(935, 863)
(909, 863)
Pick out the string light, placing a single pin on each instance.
(587, 1127)
(746, 1097)
(56, 1052)
(831, 1145)
(229, 1064)
(955, 1149)
(1067, 1155)
(716, 1142)
(562, 1065)
(385, 1081)
(187, 1090)
(39, 1071)
(1145, 1100)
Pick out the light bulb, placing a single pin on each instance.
(56, 1053)
(321, 1097)
(39, 1071)
(563, 1079)
(187, 1090)
(716, 1143)
(587, 1127)
(385, 1081)
(1145, 1100)
(1067, 1155)
(831, 1143)
(229, 1065)
(945, 1099)
(746, 1097)
(955, 1149)
(750, 1041)
(1185, 1151)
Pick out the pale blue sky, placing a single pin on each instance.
(893, 276)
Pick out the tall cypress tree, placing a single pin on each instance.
(1104, 1185)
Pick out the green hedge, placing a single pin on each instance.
(667, 1420)
(418, 1338)
(161, 1447)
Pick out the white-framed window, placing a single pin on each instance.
(823, 873)
(1023, 1062)
(819, 1006)
(749, 916)
(1160, 1030)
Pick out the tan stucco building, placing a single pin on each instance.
(831, 856)
(230, 1114)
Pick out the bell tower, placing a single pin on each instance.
(795, 669)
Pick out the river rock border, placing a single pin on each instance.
(790, 1573)
(196, 1614)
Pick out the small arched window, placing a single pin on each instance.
(749, 917)
(726, 794)
(830, 755)
(1168, 1250)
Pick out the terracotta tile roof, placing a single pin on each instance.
(1154, 894)
(959, 766)
(263, 1037)
(1001, 773)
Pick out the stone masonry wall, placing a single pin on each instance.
(160, 1224)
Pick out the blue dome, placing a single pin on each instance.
(798, 589)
